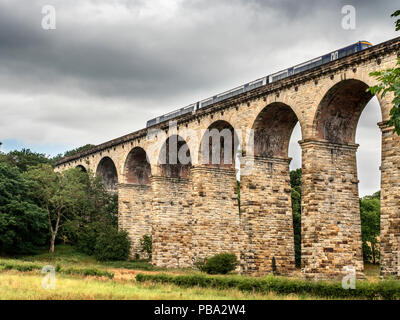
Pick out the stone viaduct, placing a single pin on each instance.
(191, 209)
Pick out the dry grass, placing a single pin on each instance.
(15, 285)
(27, 285)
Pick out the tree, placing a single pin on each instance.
(146, 245)
(86, 147)
(389, 82)
(23, 224)
(370, 226)
(60, 195)
(24, 159)
(295, 182)
(98, 210)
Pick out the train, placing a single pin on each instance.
(311, 64)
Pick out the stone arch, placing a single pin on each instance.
(174, 159)
(339, 110)
(219, 144)
(107, 171)
(81, 167)
(272, 130)
(137, 169)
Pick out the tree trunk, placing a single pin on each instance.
(52, 241)
(54, 231)
(373, 252)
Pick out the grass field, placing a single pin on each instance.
(21, 279)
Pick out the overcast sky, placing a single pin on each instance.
(109, 66)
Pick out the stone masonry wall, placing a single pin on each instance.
(330, 225)
(266, 218)
(172, 222)
(390, 203)
(215, 212)
(134, 214)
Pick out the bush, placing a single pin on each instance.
(388, 290)
(87, 239)
(220, 264)
(112, 244)
(146, 245)
(88, 272)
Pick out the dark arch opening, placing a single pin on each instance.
(137, 167)
(219, 145)
(339, 111)
(276, 133)
(273, 128)
(107, 171)
(82, 168)
(175, 159)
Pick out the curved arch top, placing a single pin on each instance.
(219, 144)
(107, 171)
(273, 128)
(174, 158)
(339, 110)
(81, 167)
(137, 169)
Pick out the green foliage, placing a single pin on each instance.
(94, 272)
(395, 15)
(364, 290)
(146, 244)
(19, 266)
(23, 266)
(98, 209)
(73, 152)
(24, 159)
(295, 182)
(112, 244)
(23, 224)
(87, 238)
(389, 82)
(370, 226)
(86, 147)
(60, 194)
(220, 264)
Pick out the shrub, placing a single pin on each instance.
(19, 266)
(220, 264)
(146, 244)
(388, 290)
(87, 239)
(88, 272)
(112, 244)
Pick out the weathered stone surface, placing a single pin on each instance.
(215, 212)
(266, 218)
(135, 213)
(330, 210)
(196, 215)
(172, 222)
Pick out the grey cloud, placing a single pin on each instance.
(111, 65)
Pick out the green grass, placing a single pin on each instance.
(80, 276)
(387, 290)
(68, 256)
(16, 285)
